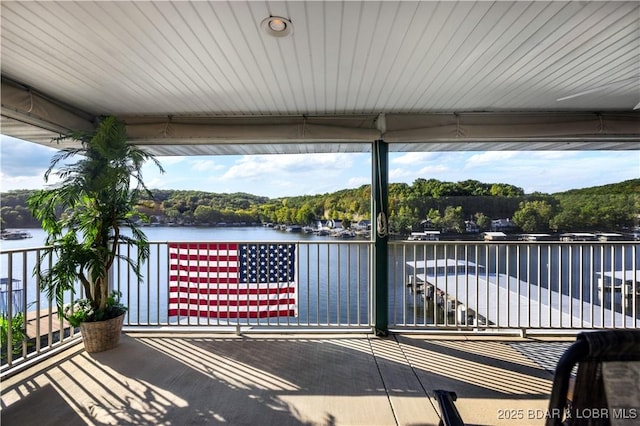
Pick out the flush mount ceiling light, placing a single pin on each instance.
(277, 26)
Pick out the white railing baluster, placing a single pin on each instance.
(473, 286)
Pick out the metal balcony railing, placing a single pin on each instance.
(486, 286)
(432, 286)
(331, 280)
(332, 292)
(29, 324)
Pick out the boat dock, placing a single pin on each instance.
(506, 302)
(40, 323)
(14, 234)
(620, 284)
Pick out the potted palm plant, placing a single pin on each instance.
(86, 215)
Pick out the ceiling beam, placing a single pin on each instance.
(30, 115)
(404, 132)
(21, 104)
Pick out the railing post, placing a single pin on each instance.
(380, 235)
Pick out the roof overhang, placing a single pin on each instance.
(202, 78)
(30, 115)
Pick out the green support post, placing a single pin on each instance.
(380, 235)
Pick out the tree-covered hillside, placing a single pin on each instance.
(448, 206)
(614, 206)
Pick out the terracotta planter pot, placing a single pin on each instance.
(100, 336)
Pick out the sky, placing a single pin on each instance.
(22, 165)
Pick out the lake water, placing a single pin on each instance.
(334, 278)
(166, 233)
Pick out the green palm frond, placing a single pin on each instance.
(86, 211)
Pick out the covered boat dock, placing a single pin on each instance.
(478, 296)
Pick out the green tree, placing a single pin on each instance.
(172, 213)
(453, 219)
(483, 221)
(505, 190)
(534, 216)
(99, 193)
(434, 216)
(404, 221)
(305, 215)
(203, 214)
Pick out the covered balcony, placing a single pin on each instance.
(378, 325)
(493, 334)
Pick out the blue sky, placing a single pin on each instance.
(23, 163)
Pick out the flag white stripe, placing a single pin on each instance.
(204, 252)
(258, 308)
(205, 263)
(233, 286)
(221, 296)
(183, 275)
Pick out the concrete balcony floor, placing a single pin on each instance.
(258, 379)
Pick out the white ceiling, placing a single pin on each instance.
(211, 59)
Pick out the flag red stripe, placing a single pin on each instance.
(200, 290)
(245, 302)
(231, 314)
(204, 280)
(203, 246)
(203, 268)
(212, 257)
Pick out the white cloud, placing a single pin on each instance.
(299, 174)
(246, 168)
(401, 175)
(267, 166)
(490, 157)
(409, 174)
(554, 155)
(171, 160)
(581, 171)
(205, 165)
(19, 157)
(411, 158)
(24, 163)
(358, 181)
(436, 169)
(10, 183)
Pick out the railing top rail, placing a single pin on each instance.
(512, 242)
(314, 242)
(319, 242)
(23, 249)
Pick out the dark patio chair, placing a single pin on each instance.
(587, 402)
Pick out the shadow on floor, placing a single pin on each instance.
(178, 379)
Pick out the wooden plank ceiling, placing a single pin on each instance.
(162, 63)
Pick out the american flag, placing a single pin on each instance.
(232, 280)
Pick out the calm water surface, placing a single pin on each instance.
(164, 234)
(333, 278)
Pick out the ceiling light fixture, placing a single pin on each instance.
(277, 26)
